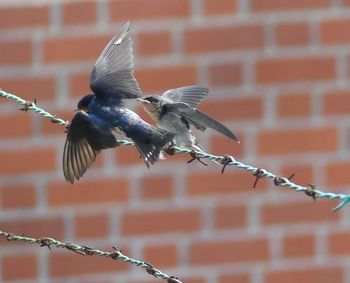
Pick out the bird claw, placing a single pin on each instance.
(67, 125)
(26, 105)
(195, 156)
(170, 150)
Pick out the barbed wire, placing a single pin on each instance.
(310, 190)
(85, 250)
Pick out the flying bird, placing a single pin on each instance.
(102, 115)
(176, 110)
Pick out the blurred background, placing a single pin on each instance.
(279, 76)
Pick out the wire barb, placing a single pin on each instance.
(259, 174)
(311, 191)
(194, 156)
(225, 160)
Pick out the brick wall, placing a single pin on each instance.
(278, 71)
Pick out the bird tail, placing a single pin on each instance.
(151, 147)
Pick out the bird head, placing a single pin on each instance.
(83, 103)
(152, 105)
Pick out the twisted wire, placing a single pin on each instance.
(85, 250)
(225, 160)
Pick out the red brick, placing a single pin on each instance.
(88, 192)
(293, 105)
(294, 141)
(157, 187)
(311, 275)
(20, 161)
(337, 174)
(79, 84)
(162, 255)
(39, 87)
(34, 227)
(286, 5)
(290, 34)
(153, 43)
(224, 38)
(24, 16)
(72, 264)
(337, 103)
(220, 145)
(156, 222)
(15, 53)
(220, 7)
(194, 280)
(303, 173)
(91, 226)
(19, 267)
(216, 184)
(15, 125)
(237, 278)
(234, 108)
(161, 79)
(226, 74)
(296, 246)
(297, 213)
(230, 216)
(295, 70)
(143, 281)
(232, 251)
(126, 156)
(154, 9)
(335, 31)
(77, 13)
(74, 49)
(10, 200)
(339, 243)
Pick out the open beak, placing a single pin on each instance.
(143, 100)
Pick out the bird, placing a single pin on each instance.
(102, 115)
(176, 111)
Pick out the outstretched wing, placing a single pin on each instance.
(190, 95)
(113, 71)
(200, 120)
(78, 152)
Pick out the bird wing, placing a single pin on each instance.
(78, 152)
(113, 71)
(200, 120)
(191, 95)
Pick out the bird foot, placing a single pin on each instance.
(170, 150)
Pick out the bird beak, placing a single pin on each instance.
(76, 109)
(143, 100)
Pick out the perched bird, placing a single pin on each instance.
(176, 110)
(102, 115)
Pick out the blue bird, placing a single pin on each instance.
(102, 115)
